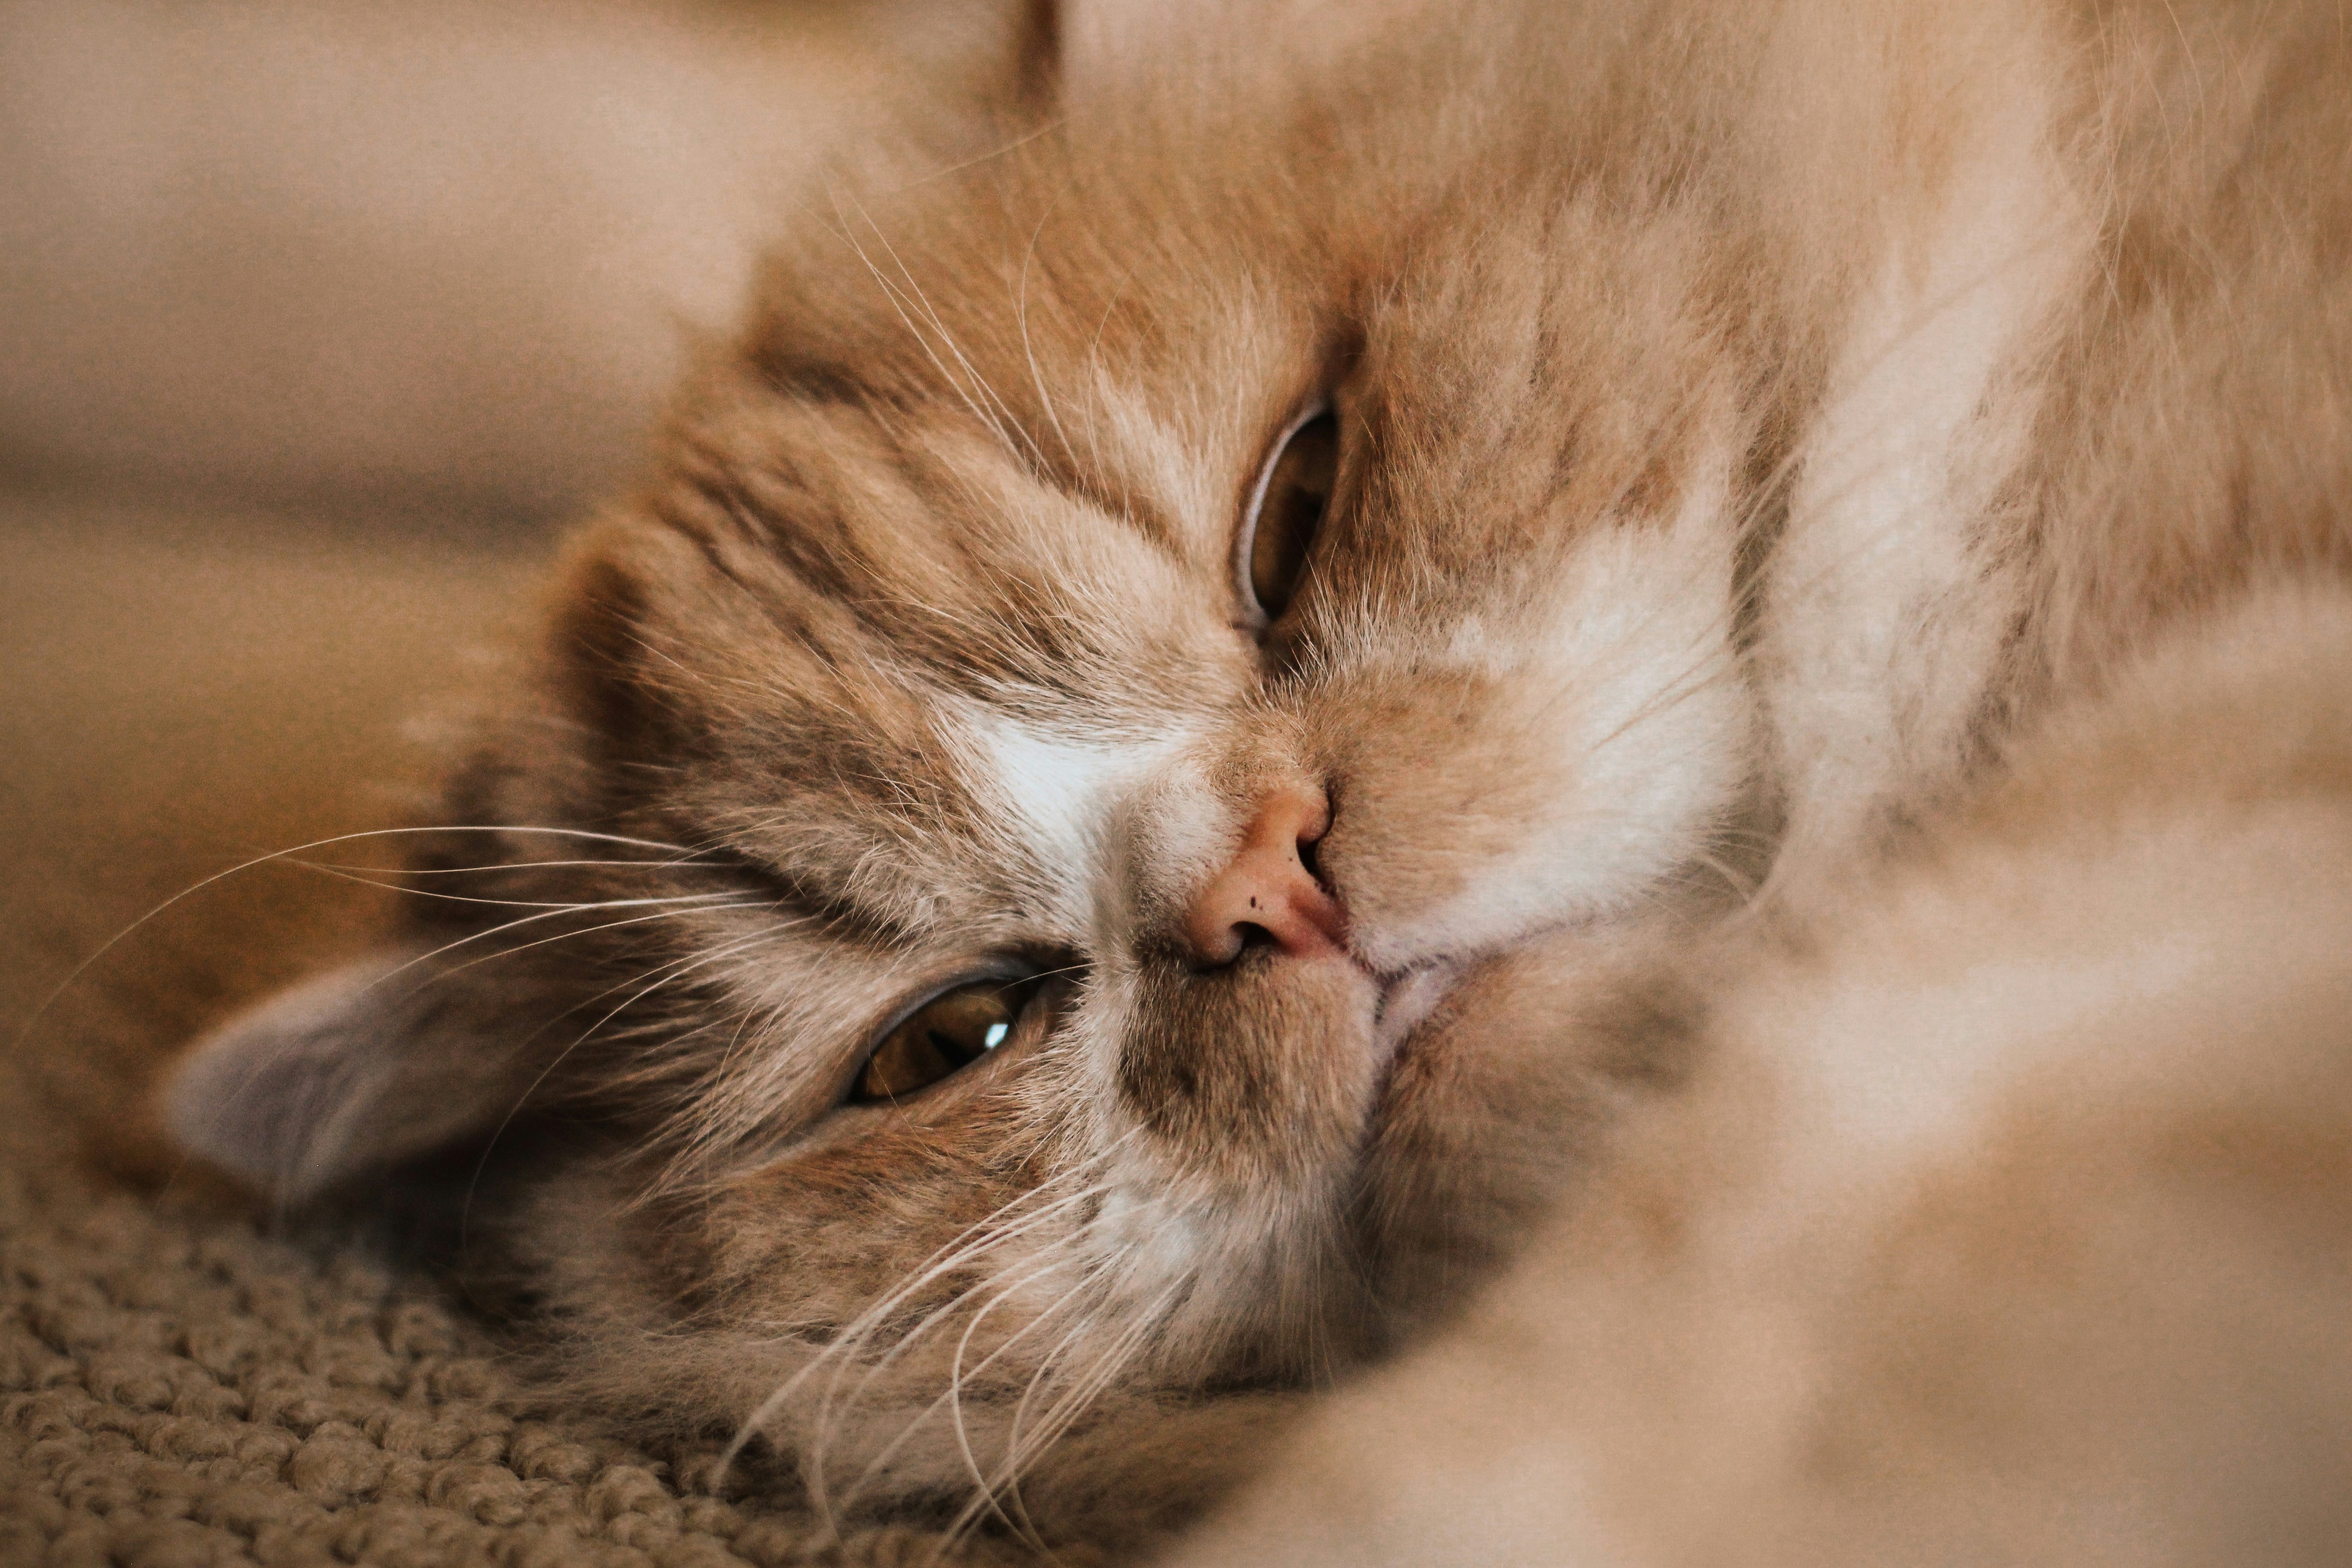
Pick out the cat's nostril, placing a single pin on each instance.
(1269, 895)
(1309, 853)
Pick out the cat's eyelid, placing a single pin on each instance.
(1254, 617)
(1011, 972)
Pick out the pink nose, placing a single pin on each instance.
(1268, 888)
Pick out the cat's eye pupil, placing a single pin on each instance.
(1297, 493)
(952, 1031)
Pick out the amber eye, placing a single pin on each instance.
(952, 1031)
(1285, 510)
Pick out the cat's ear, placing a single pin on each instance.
(1067, 48)
(1028, 62)
(1070, 55)
(355, 1070)
(1037, 53)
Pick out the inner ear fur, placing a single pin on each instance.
(364, 1068)
(596, 647)
(636, 608)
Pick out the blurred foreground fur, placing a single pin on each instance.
(2010, 1220)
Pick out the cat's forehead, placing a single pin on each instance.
(940, 509)
(1130, 317)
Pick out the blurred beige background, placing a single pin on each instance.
(402, 249)
(316, 317)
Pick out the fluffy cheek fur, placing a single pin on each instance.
(1232, 1105)
(1512, 773)
(877, 1302)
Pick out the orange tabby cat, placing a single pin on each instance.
(1180, 749)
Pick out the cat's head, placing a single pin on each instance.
(1039, 873)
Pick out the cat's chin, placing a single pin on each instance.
(1503, 1077)
(1458, 994)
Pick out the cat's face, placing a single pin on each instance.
(1109, 689)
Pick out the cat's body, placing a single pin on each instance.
(1310, 585)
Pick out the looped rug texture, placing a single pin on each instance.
(178, 1390)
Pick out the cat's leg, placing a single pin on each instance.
(2009, 1221)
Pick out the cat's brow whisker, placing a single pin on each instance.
(668, 908)
(900, 301)
(1004, 421)
(359, 878)
(1028, 346)
(694, 862)
(443, 972)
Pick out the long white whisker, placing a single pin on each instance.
(25, 1030)
(1003, 1226)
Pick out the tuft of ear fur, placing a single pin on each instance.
(354, 1071)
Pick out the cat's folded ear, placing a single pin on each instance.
(1065, 50)
(1069, 55)
(1037, 48)
(355, 1070)
(1063, 46)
